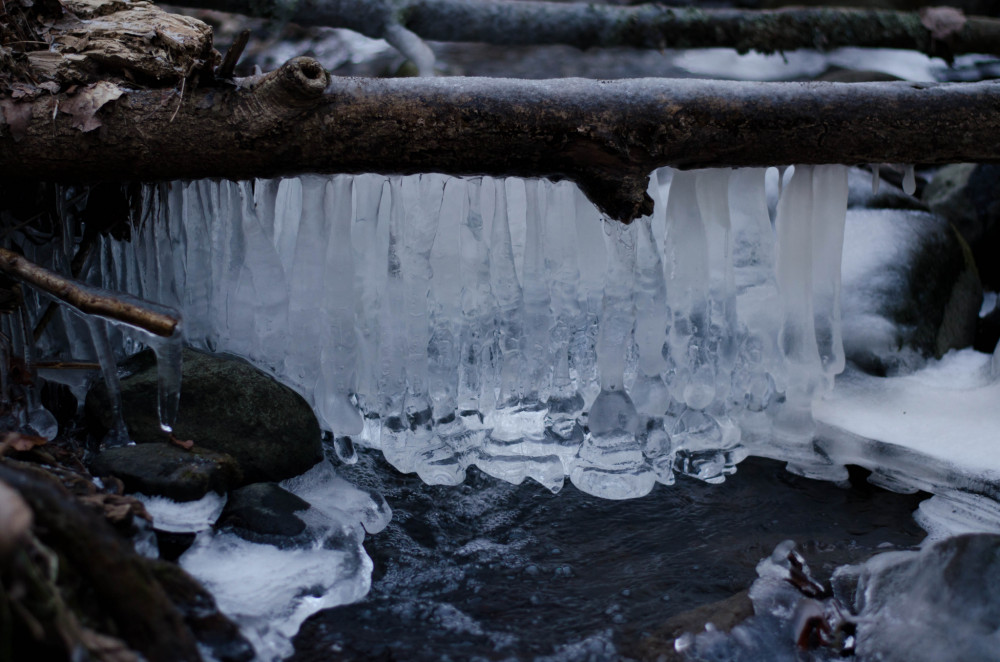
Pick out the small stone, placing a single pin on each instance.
(165, 470)
(263, 508)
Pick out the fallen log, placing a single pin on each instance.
(605, 135)
(937, 31)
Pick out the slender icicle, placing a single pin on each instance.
(446, 307)
(118, 434)
(537, 308)
(509, 301)
(476, 295)
(35, 415)
(759, 364)
(829, 217)
(168, 378)
(687, 289)
(421, 198)
(339, 354)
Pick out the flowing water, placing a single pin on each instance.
(489, 570)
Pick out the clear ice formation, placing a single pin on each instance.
(503, 323)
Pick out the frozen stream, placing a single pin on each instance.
(476, 331)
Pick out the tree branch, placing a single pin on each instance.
(605, 135)
(589, 25)
(87, 299)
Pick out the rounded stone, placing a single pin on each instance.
(226, 405)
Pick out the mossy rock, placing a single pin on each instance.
(226, 405)
(165, 470)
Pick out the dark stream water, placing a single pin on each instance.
(493, 571)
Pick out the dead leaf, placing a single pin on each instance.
(16, 441)
(117, 508)
(186, 444)
(83, 105)
(17, 116)
(943, 22)
(15, 519)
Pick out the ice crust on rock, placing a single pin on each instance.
(503, 323)
(269, 590)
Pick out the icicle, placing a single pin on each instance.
(340, 346)
(610, 462)
(451, 322)
(421, 198)
(759, 363)
(35, 415)
(875, 178)
(687, 291)
(476, 294)
(537, 303)
(794, 425)
(446, 301)
(829, 216)
(263, 275)
(307, 260)
(168, 378)
(909, 181)
(797, 338)
(118, 434)
(509, 301)
(565, 403)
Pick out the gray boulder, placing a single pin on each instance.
(226, 405)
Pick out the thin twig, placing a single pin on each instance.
(86, 299)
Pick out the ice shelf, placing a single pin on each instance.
(503, 323)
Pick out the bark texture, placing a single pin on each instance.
(605, 135)
(588, 25)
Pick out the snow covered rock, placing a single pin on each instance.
(910, 290)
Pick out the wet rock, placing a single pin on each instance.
(723, 615)
(226, 405)
(200, 613)
(164, 470)
(968, 195)
(172, 544)
(265, 509)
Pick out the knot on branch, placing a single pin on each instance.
(298, 82)
(621, 197)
